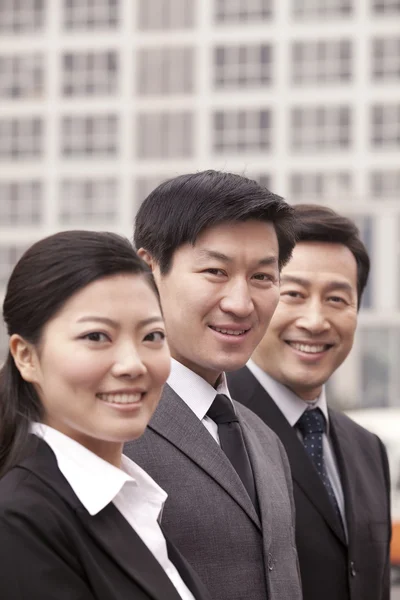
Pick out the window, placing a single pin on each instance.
(379, 357)
(166, 14)
(321, 61)
(242, 11)
(88, 201)
(91, 14)
(321, 9)
(321, 128)
(386, 58)
(375, 345)
(90, 136)
(320, 186)
(21, 16)
(9, 256)
(145, 185)
(242, 131)
(21, 76)
(242, 66)
(90, 73)
(165, 135)
(165, 71)
(386, 125)
(387, 7)
(385, 184)
(20, 203)
(21, 138)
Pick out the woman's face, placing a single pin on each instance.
(102, 362)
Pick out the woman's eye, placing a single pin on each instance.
(155, 336)
(96, 336)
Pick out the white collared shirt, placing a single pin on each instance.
(197, 393)
(292, 408)
(132, 491)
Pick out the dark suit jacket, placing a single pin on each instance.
(209, 515)
(332, 568)
(52, 548)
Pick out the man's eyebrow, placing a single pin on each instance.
(332, 285)
(268, 260)
(204, 253)
(340, 285)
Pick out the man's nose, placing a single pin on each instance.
(313, 318)
(237, 299)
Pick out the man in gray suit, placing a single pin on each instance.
(215, 243)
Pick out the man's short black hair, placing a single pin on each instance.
(178, 210)
(315, 223)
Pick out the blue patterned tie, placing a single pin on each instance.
(312, 426)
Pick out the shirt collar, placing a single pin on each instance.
(195, 391)
(291, 405)
(96, 482)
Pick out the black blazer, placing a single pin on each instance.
(52, 548)
(331, 567)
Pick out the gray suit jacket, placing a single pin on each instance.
(209, 515)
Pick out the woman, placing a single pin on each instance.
(86, 365)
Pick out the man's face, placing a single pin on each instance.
(219, 296)
(313, 327)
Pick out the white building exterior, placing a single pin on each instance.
(100, 100)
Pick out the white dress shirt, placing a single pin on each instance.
(197, 393)
(132, 491)
(292, 408)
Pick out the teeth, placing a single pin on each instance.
(307, 348)
(120, 398)
(230, 331)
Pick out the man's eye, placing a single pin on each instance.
(263, 277)
(291, 294)
(337, 300)
(214, 271)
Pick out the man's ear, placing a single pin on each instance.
(147, 257)
(25, 358)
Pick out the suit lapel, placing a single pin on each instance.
(187, 573)
(258, 463)
(111, 531)
(109, 528)
(303, 471)
(176, 422)
(343, 446)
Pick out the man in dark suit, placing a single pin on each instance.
(340, 470)
(215, 243)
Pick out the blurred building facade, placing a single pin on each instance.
(100, 100)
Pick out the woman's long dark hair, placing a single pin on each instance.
(46, 276)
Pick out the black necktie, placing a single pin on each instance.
(312, 426)
(232, 443)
